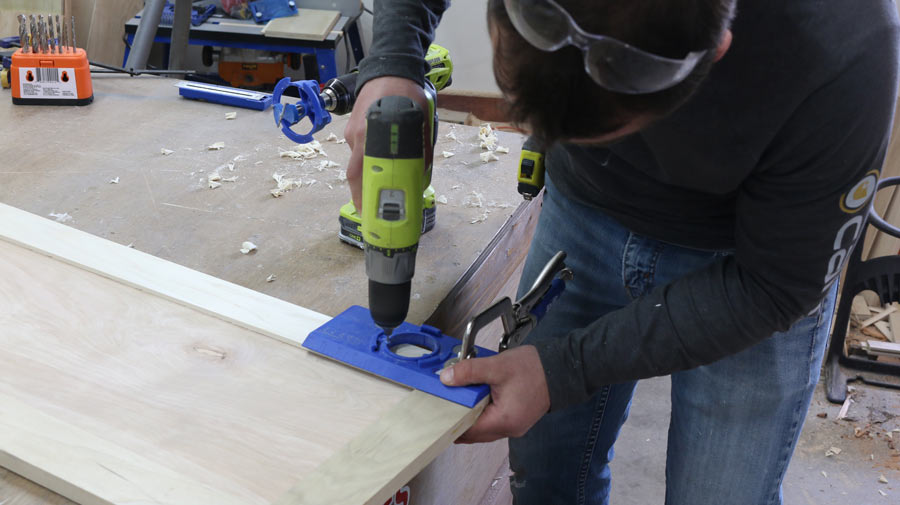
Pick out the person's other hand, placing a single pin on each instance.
(519, 394)
(355, 131)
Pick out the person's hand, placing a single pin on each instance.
(519, 394)
(355, 131)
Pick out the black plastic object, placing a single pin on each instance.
(881, 275)
(389, 304)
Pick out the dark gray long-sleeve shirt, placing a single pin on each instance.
(775, 157)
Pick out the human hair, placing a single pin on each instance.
(551, 94)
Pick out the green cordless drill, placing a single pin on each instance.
(398, 199)
(395, 174)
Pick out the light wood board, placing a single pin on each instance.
(110, 394)
(308, 24)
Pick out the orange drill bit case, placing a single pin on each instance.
(62, 78)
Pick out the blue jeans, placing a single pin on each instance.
(734, 423)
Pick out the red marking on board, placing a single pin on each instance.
(400, 498)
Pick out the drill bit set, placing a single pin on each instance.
(47, 37)
(50, 69)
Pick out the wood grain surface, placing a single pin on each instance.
(102, 380)
(308, 24)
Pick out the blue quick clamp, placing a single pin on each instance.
(521, 317)
(309, 106)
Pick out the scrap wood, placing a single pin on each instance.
(860, 307)
(894, 322)
(878, 316)
(885, 329)
(844, 408)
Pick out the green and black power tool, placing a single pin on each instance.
(531, 169)
(395, 173)
(397, 194)
(437, 78)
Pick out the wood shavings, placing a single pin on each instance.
(231, 115)
(239, 157)
(844, 408)
(310, 182)
(305, 151)
(487, 137)
(882, 479)
(833, 451)
(331, 137)
(248, 247)
(882, 493)
(166, 152)
(230, 179)
(114, 181)
(342, 176)
(502, 150)
(270, 278)
(441, 199)
(452, 136)
(61, 218)
(341, 141)
(327, 164)
(284, 185)
(455, 186)
(212, 180)
(479, 219)
(488, 156)
(474, 200)
(447, 154)
(258, 163)
(213, 184)
(216, 146)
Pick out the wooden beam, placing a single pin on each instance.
(485, 106)
(499, 260)
(249, 309)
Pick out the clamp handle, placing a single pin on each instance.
(310, 105)
(520, 318)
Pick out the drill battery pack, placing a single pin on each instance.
(350, 220)
(51, 78)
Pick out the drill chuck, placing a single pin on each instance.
(389, 304)
(339, 94)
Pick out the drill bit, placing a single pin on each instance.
(72, 32)
(42, 34)
(59, 40)
(34, 47)
(65, 34)
(23, 33)
(51, 39)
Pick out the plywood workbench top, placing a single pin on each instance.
(62, 161)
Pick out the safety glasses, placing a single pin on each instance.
(612, 64)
